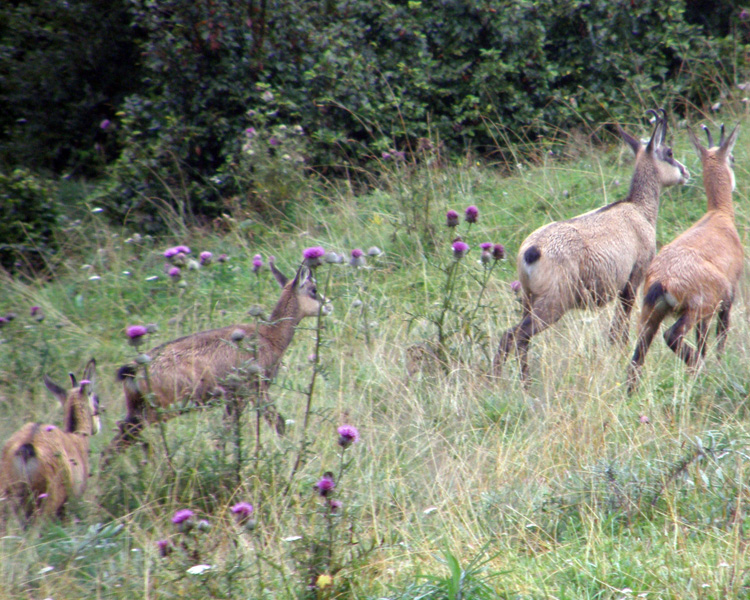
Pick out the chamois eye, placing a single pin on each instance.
(314, 291)
(669, 152)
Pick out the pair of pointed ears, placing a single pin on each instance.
(658, 136)
(302, 275)
(725, 145)
(86, 384)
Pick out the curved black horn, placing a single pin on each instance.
(656, 141)
(721, 137)
(664, 120)
(709, 136)
(653, 112)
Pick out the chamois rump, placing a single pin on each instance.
(43, 465)
(195, 368)
(696, 275)
(587, 261)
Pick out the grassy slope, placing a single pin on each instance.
(556, 485)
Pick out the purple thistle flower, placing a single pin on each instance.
(451, 218)
(175, 273)
(348, 435)
(10, 316)
(206, 257)
(274, 141)
(325, 485)
(182, 515)
(472, 214)
(105, 124)
(460, 248)
(250, 132)
(356, 253)
(334, 505)
(313, 255)
(84, 382)
(35, 310)
(385, 155)
(50, 428)
(43, 496)
(136, 331)
(486, 245)
(358, 259)
(498, 252)
(257, 263)
(3, 321)
(183, 249)
(744, 14)
(170, 252)
(223, 258)
(165, 547)
(515, 286)
(242, 511)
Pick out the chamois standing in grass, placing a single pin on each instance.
(42, 465)
(696, 275)
(589, 260)
(195, 368)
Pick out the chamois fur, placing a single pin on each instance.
(696, 275)
(589, 260)
(195, 368)
(43, 465)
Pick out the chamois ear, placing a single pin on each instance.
(696, 143)
(90, 371)
(728, 144)
(280, 277)
(660, 132)
(302, 275)
(634, 144)
(56, 390)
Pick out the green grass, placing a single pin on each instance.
(570, 490)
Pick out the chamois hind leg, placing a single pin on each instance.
(618, 331)
(675, 338)
(651, 318)
(701, 336)
(722, 327)
(540, 318)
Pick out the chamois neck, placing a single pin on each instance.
(644, 193)
(279, 330)
(76, 419)
(718, 186)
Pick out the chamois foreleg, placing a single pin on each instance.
(722, 327)
(651, 318)
(618, 331)
(675, 338)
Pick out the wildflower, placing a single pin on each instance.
(183, 519)
(267, 96)
(193, 265)
(459, 249)
(203, 525)
(515, 286)
(334, 505)
(744, 14)
(274, 141)
(348, 434)
(175, 273)
(374, 251)
(357, 259)
(498, 252)
(36, 312)
(152, 328)
(223, 258)
(105, 124)
(323, 581)
(250, 132)
(398, 155)
(51, 427)
(472, 214)
(10, 316)
(165, 547)
(326, 484)
(136, 333)
(333, 258)
(43, 496)
(206, 258)
(644, 419)
(486, 252)
(385, 155)
(313, 255)
(451, 218)
(242, 511)
(198, 569)
(238, 335)
(3, 322)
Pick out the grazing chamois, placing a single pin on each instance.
(42, 465)
(196, 368)
(589, 260)
(695, 276)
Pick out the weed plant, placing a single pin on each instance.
(458, 487)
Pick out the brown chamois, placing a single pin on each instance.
(42, 465)
(589, 260)
(695, 276)
(195, 368)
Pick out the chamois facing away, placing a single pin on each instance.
(195, 368)
(696, 275)
(42, 465)
(589, 260)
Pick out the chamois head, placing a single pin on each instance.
(656, 156)
(80, 404)
(717, 160)
(304, 288)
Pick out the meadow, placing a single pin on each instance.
(459, 486)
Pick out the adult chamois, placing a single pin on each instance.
(589, 260)
(695, 276)
(43, 465)
(196, 368)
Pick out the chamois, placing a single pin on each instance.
(42, 465)
(587, 261)
(696, 275)
(196, 367)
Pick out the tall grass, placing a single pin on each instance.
(458, 488)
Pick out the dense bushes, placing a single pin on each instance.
(359, 78)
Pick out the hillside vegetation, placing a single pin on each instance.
(459, 486)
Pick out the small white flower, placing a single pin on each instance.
(97, 210)
(293, 538)
(94, 278)
(152, 278)
(198, 569)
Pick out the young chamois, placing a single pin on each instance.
(196, 368)
(589, 260)
(42, 465)
(696, 275)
